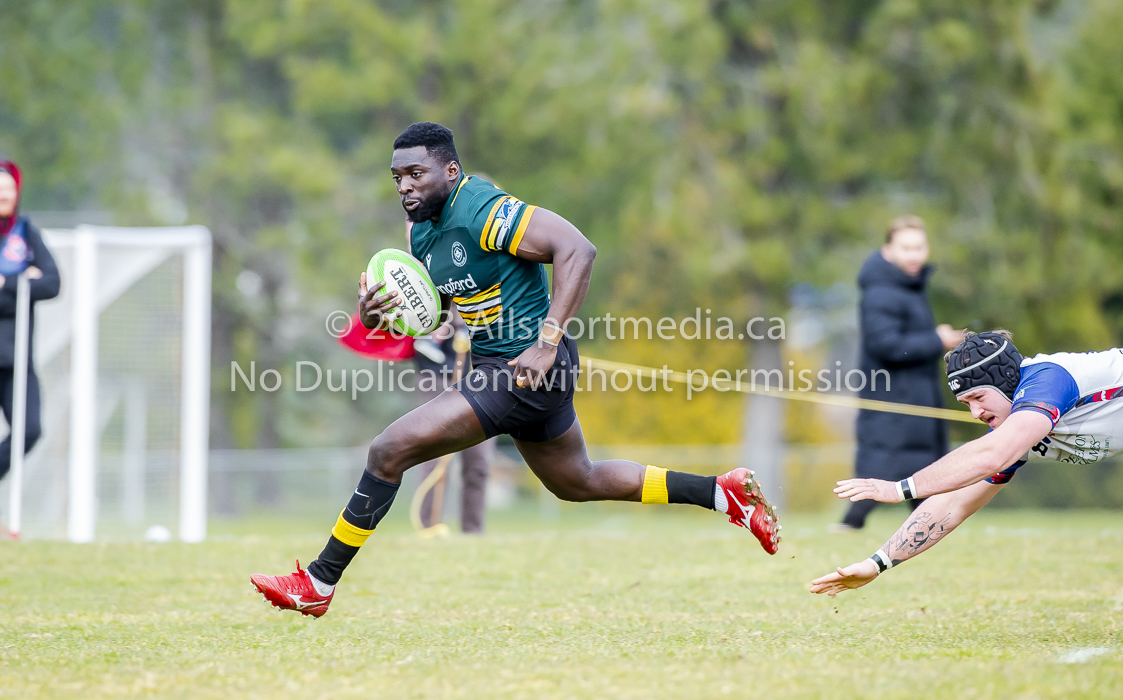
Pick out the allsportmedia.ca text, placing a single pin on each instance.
(702, 325)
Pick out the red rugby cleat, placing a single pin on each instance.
(748, 508)
(292, 592)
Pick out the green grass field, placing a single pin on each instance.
(609, 601)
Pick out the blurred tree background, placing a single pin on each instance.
(718, 153)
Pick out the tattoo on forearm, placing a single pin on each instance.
(918, 532)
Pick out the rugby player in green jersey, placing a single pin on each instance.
(485, 251)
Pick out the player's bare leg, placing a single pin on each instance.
(445, 425)
(564, 467)
(442, 426)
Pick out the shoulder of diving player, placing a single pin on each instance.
(550, 237)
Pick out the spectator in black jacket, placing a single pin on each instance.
(899, 336)
(19, 241)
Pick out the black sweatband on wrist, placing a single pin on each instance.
(907, 488)
(882, 560)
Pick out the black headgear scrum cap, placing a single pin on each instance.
(985, 359)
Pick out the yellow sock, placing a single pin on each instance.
(654, 485)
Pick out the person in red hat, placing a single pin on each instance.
(21, 249)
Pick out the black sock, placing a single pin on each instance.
(366, 508)
(683, 487)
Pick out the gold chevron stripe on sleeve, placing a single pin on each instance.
(514, 248)
(490, 221)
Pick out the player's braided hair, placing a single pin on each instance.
(984, 359)
(436, 139)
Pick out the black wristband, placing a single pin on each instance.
(908, 489)
(882, 560)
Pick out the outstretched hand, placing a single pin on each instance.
(844, 579)
(868, 490)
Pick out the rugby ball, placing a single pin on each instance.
(420, 310)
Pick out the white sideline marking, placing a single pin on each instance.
(1082, 655)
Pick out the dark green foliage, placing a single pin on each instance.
(734, 147)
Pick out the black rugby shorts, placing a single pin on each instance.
(532, 415)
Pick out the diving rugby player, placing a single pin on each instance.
(485, 251)
(1066, 407)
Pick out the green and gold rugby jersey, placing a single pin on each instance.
(470, 255)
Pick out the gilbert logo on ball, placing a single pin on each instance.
(419, 312)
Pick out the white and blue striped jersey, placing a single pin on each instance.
(1082, 394)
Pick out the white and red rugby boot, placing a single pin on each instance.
(748, 508)
(292, 592)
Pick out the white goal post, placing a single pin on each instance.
(134, 319)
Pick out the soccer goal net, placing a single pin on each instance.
(123, 360)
